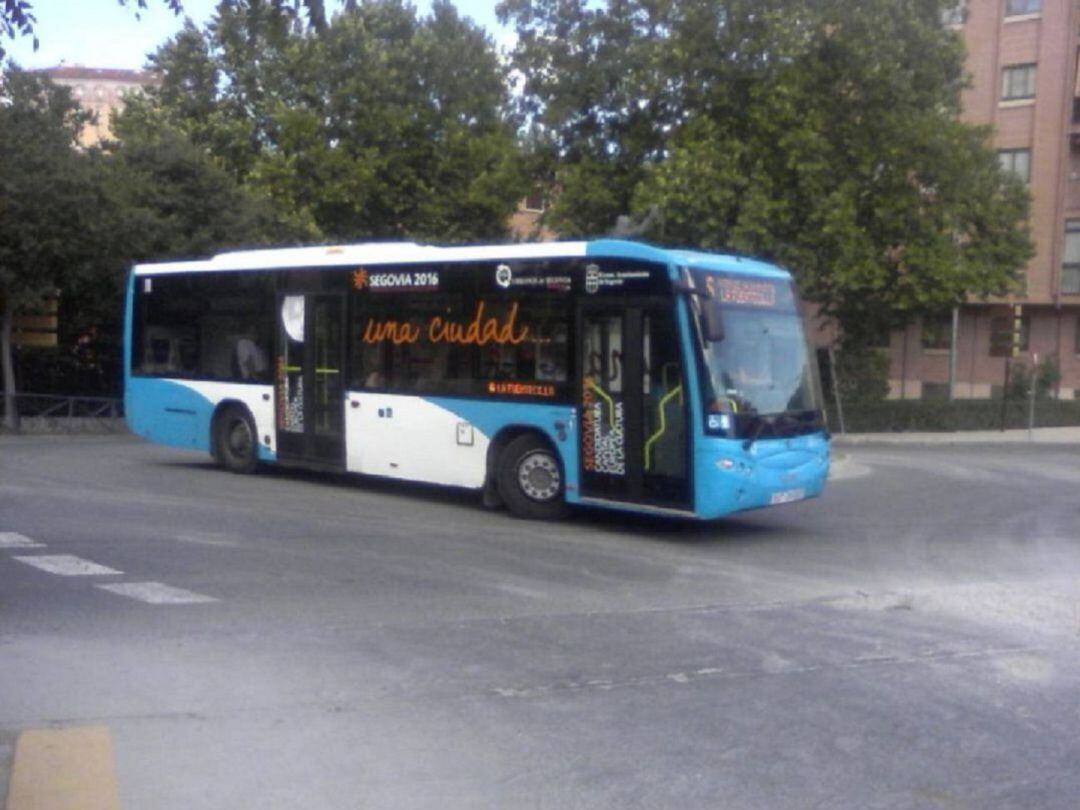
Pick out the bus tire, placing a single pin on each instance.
(531, 479)
(236, 440)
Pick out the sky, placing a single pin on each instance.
(104, 34)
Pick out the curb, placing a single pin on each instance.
(1040, 436)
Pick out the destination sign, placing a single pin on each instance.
(743, 291)
(746, 293)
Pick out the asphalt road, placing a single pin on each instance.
(289, 640)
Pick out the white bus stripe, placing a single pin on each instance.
(67, 565)
(157, 593)
(19, 541)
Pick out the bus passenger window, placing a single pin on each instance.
(250, 359)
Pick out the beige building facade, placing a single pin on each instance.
(101, 91)
(1022, 59)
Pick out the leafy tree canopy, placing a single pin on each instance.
(46, 188)
(177, 202)
(74, 220)
(820, 133)
(382, 124)
(49, 202)
(163, 197)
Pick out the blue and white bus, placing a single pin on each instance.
(602, 373)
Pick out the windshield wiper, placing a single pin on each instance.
(755, 432)
(811, 420)
(787, 424)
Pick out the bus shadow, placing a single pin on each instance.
(372, 484)
(729, 532)
(328, 480)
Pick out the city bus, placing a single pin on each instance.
(600, 373)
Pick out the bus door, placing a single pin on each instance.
(309, 384)
(634, 404)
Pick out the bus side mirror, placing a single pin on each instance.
(712, 314)
(712, 320)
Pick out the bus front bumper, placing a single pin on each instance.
(771, 472)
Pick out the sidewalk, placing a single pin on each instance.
(1056, 435)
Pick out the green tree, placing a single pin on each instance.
(593, 90)
(381, 125)
(163, 198)
(1045, 376)
(50, 205)
(174, 201)
(819, 133)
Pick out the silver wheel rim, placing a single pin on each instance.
(538, 476)
(240, 438)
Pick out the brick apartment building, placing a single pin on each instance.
(101, 91)
(1022, 58)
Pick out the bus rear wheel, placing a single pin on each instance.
(531, 480)
(237, 443)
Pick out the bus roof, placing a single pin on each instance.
(376, 253)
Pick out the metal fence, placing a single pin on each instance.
(52, 412)
(860, 398)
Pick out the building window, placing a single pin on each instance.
(535, 201)
(954, 14)
(937, 332)
(1016, 8)
(1001, 335)
(1018, 82)
(1017, 161)
(1070, 262)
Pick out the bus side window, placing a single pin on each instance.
(551, 352)
(251, 362)
(158, 351)
(170, 351)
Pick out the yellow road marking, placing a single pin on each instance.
(63, 769)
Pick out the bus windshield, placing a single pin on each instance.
(758, 372)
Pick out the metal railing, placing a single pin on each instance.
(54, 412)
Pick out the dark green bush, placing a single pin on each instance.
(962, 414)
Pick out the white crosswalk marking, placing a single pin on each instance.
(17, 541)
(157, 593)
(68, 565)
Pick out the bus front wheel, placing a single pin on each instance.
(237, 442)
(531, 480)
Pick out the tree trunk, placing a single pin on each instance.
(11, 412)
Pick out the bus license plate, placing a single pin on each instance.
(787, 496)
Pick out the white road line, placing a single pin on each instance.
(207, 539)
(67, 565)
(18, 541)
(846, 470)
(157, 593)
